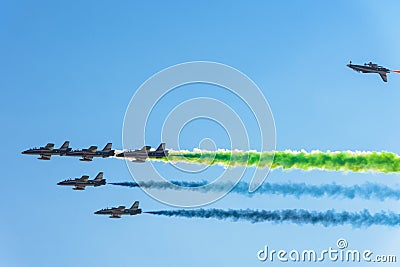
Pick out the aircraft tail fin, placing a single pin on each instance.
(65, 145)
(383, 76)
(99, 176)
(161, 147)
(107, 147)
(49, 146)
(135, 205)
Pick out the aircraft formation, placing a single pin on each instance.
(139, 155)
(87, 154)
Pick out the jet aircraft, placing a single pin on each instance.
(91, 152)
(140, 155)
(121, 210)
(372, 68)
(81, 183)
(49, 150)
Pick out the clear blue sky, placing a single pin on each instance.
(69, 69)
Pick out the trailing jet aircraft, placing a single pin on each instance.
(48, 151)
(372, 68)
(91, 152)
(81, 183)
(121, 210)
(140, 155)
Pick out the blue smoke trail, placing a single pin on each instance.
(364, 191)
(296, 216)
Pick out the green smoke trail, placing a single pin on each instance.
(385, 162)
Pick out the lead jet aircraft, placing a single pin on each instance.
(48, 151)
(372, 68)
(81, 183)
(91, 152)
(121, 210)
(140, 155)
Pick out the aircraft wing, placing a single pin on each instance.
(84, 178)
(45, 157)
(49, 146)
(383, 76)
(115, 215)
(144, 149)
(79, 187)
(87, 158)
(92, 148)
(141, 160)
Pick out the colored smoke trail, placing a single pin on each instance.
(162, 185)
(296, 216)
(385, 162)
(363, 191)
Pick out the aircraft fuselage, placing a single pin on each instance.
(79, 183)
(87, 154)
(370, 68)
(141, 155)
(90, 153)
(46, 152)
(117, 213)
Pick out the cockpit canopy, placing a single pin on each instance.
(372, 65)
